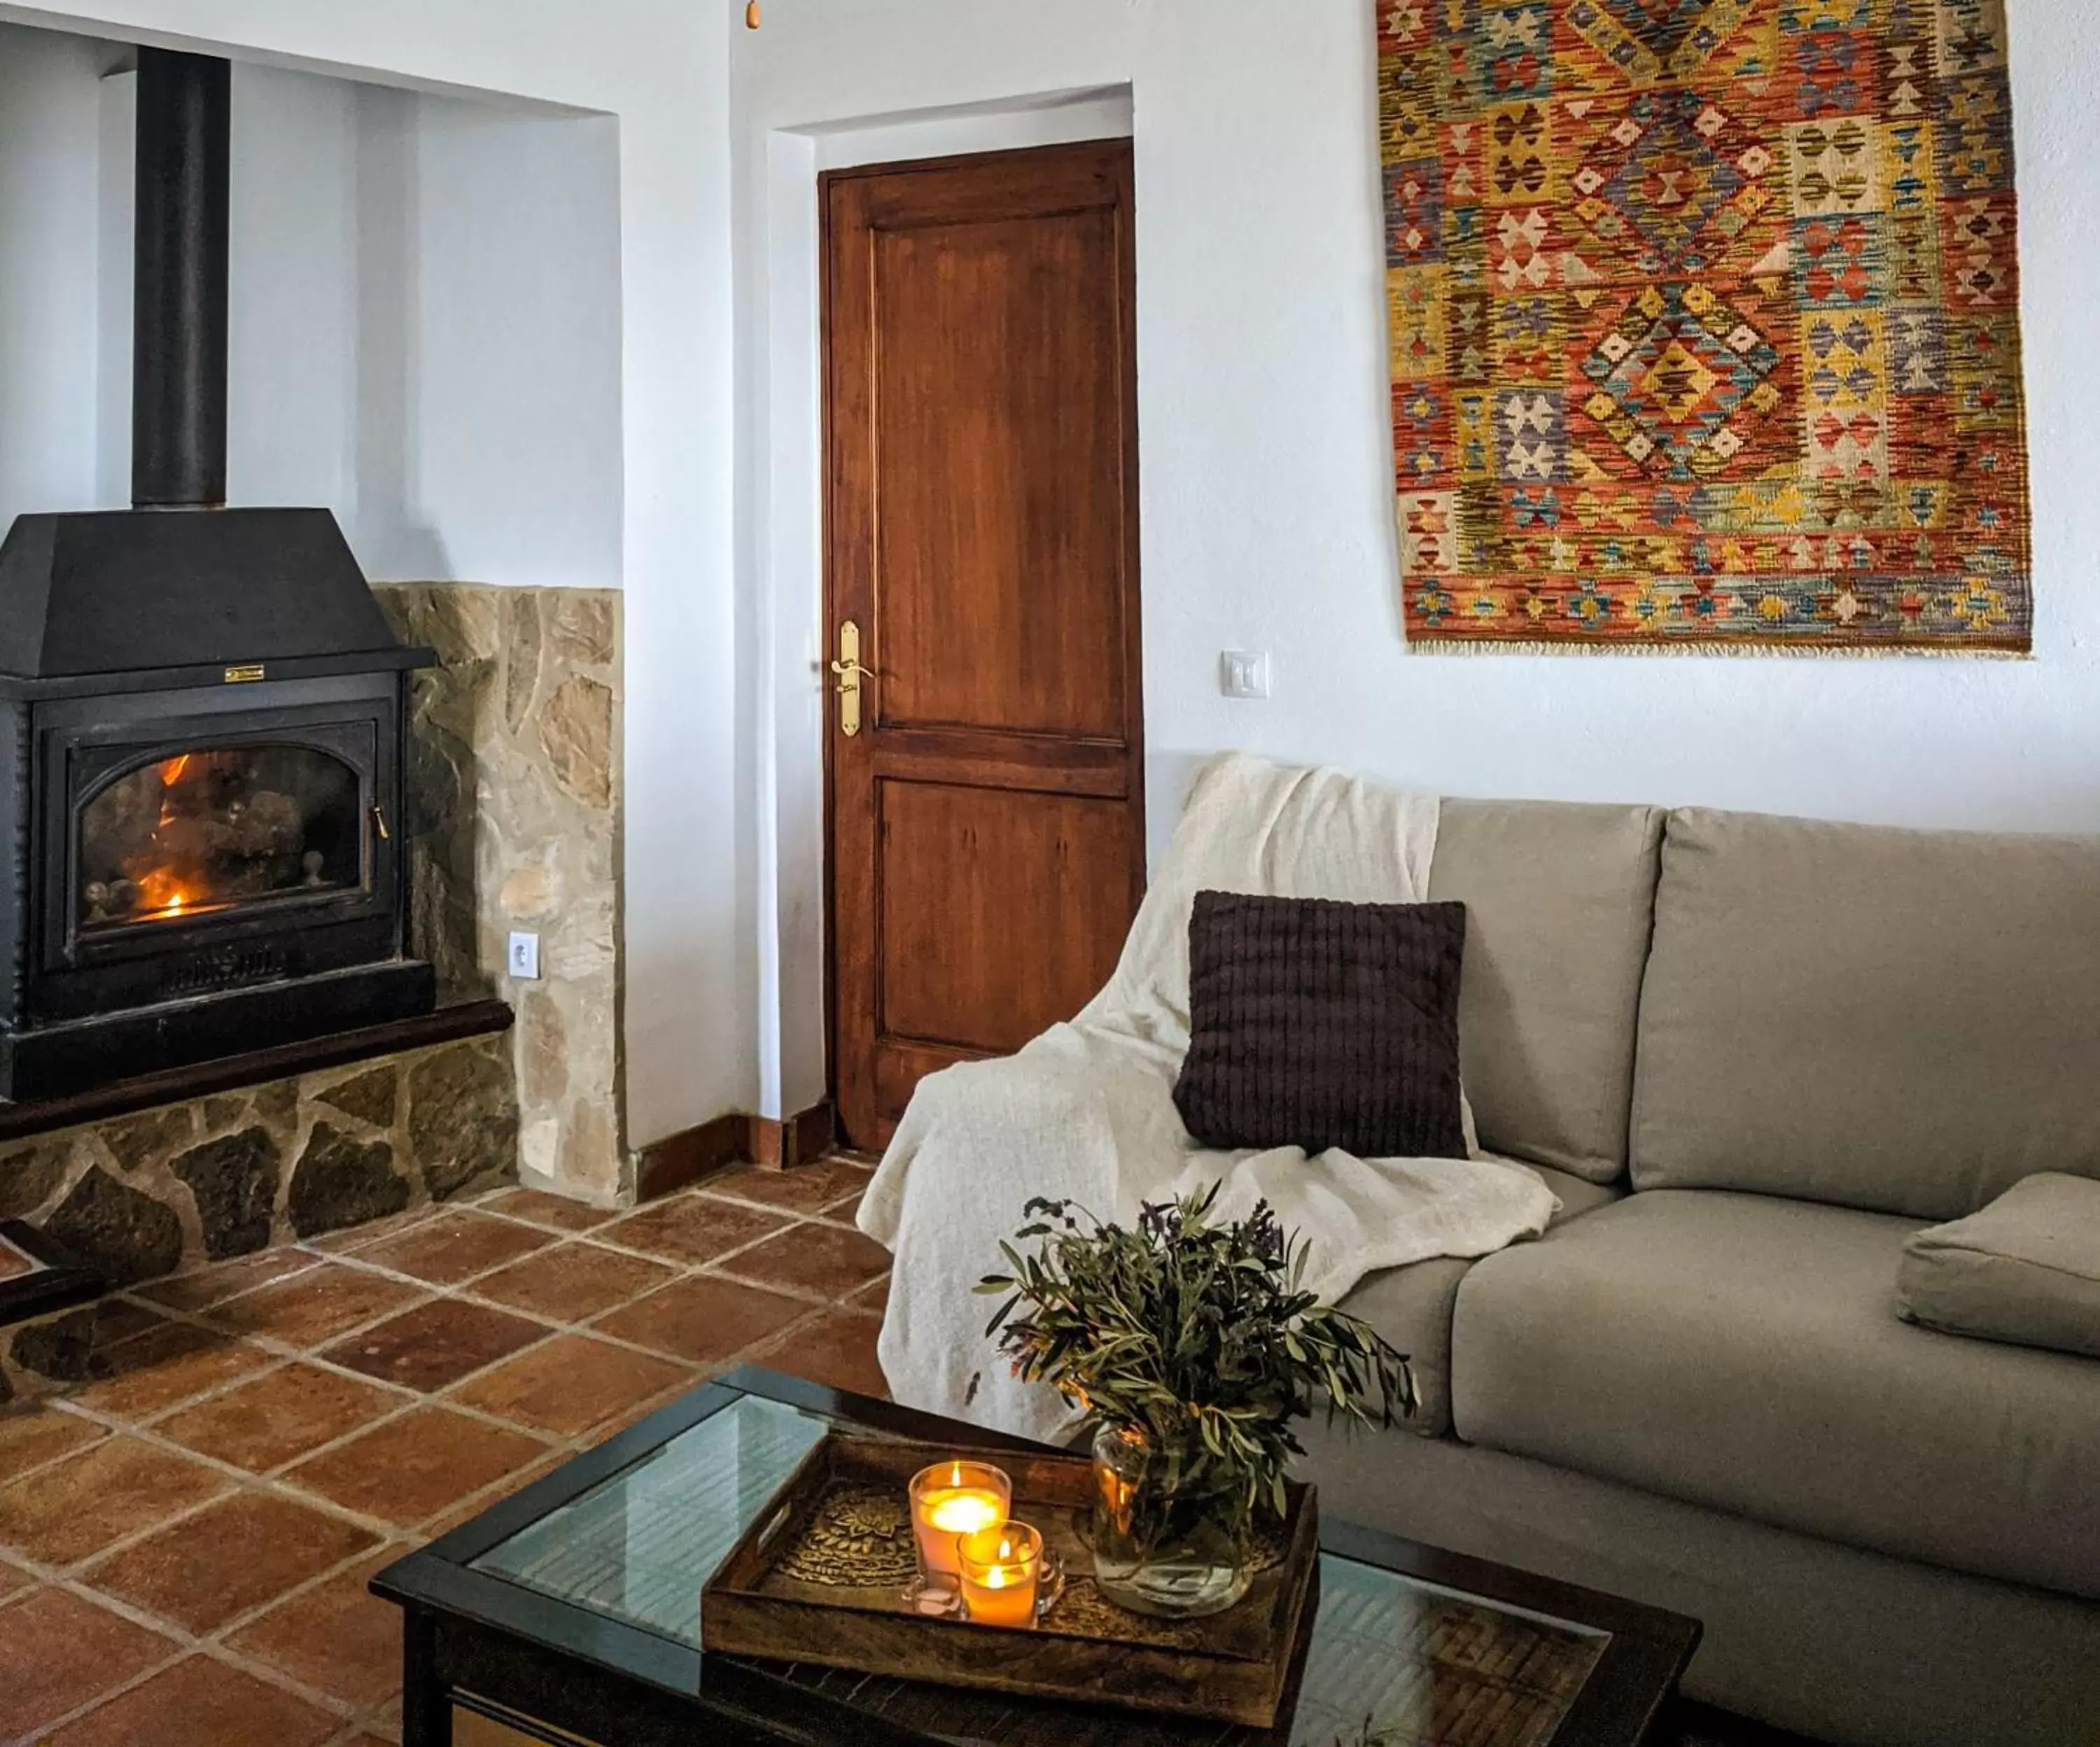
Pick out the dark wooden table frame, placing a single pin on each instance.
(468, 1635)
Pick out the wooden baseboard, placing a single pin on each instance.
(783, 1145)
(774, 1144)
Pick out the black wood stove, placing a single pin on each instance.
(202, 713)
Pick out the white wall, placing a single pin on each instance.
(50, 123)
(296, 274)
(296, 270)
(517, 353)
(425, 323)
(656, 70)
(1263, 409)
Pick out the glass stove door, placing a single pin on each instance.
(203, 832)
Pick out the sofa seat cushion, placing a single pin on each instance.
(1746, 1353)
(1411, 1306)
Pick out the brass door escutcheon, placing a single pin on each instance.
(850, 674)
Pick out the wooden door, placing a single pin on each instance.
(987, 839)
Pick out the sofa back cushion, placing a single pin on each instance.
(1560, 900)
(1906, 1023)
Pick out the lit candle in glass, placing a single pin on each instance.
(954, 1498)
(1001, 1569)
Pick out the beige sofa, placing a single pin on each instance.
(1754, 1055)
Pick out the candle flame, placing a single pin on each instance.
(1005, 1549)
(956, 1479)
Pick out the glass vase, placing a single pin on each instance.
(1170, 1552)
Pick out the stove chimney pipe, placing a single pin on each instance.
(179, 315)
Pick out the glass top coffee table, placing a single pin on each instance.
(571, 1613)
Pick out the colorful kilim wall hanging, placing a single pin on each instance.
(1704, 318)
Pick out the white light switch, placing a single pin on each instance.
(1243, 673)
(525, 957)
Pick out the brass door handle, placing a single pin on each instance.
(850, 674)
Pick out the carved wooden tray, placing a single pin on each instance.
(820, 1575)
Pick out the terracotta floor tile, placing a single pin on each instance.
(316, 1306)
(874, 1300)
(472, 1506)
(266, 1423)
(201, 1703)
(13, 1582)
(338, 1638)
(846, 1209)
(155, 1371)
(701, 1319)
(826, 1261)
(62, 1651)
(433, 1347)
(692, 1228)
(808, 1188)
(838, 1348)
(573, 1281)
(634, 1415)
(356, 1238)
(30, 1436)
(410, 1469)
(385, 1725)
(224, 1280)
(62, 1515)
(121, 1319)
(455, 1246)
(558, 1212)
(469, 1730)
(228, 1560)
(569, 1385)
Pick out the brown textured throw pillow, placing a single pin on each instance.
(1318, 1024)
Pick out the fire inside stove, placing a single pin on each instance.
(212, 831)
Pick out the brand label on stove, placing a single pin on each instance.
(245, 674)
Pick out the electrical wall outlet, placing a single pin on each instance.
(525, 957)
(1243, 673)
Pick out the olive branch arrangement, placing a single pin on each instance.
(1196, 1339)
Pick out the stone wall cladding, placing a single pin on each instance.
(143, 1196)
(516, 743)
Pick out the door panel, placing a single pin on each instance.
(966, 873)
(1003, 538)
(987, 821)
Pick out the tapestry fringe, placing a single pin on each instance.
(1716, 652)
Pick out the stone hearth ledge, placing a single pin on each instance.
(142, 1196)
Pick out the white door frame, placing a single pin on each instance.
(779, 546)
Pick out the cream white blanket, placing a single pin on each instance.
(1085, 1113)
